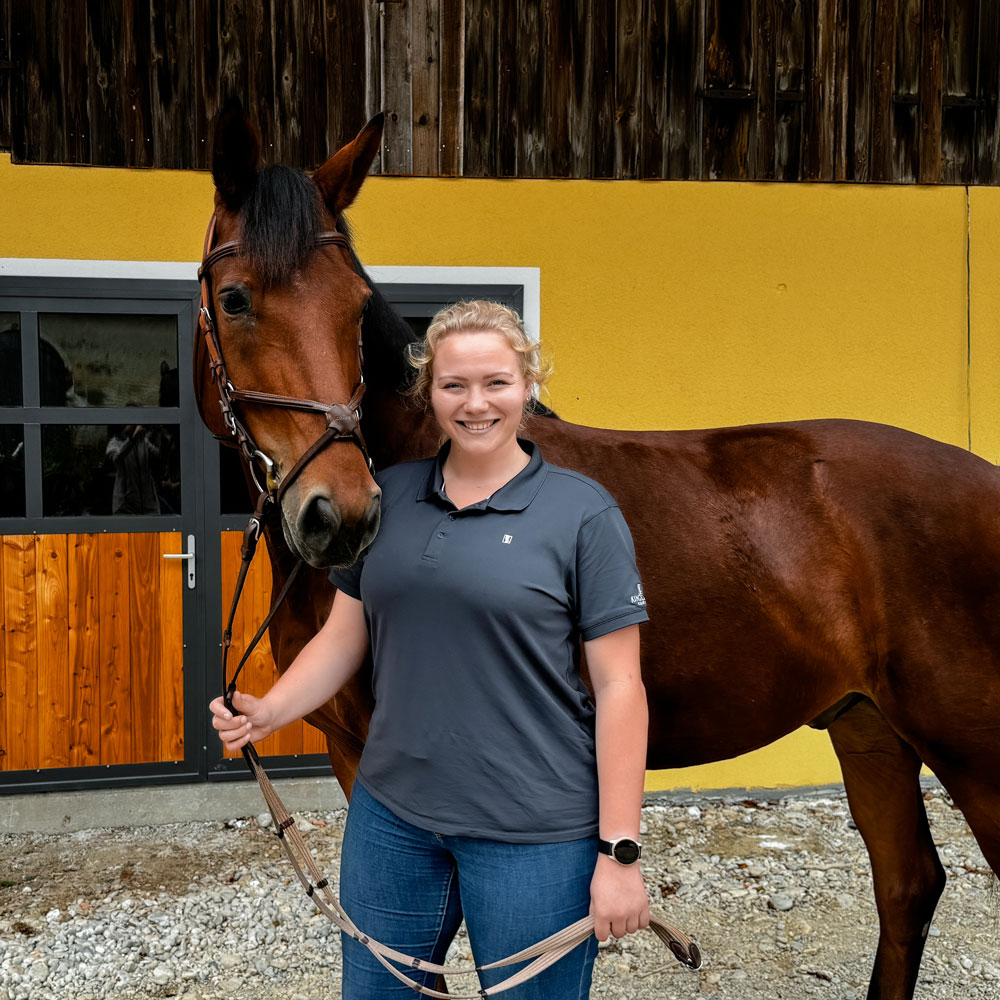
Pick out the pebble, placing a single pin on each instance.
(770, 919)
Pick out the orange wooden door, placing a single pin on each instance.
(92, 650)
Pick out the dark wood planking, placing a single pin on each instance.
(6, 72)
(425, 86)
(288, 109)
(140, 150)
(170, 684)
(987, 135)
(931, 67)
(20, 651)
(559, 65)
(172, 82)
(83, 616)
(654, 105)
(37, 93)
(532, 85)
(685, 77)
(628, 88)
(373, 69)
(580, 112)
(345, 98)
(862, 85)
(790, 81)
(905, 150)
(960, 91)
(820, 109)
(397, 149)
(312, 88)
(603, 48)
(452, 83)
(75, 81)
(843, 113)
(106, 84)
(729, 100)
(883, 70)
(762, 153)
(508, 127)
(207, 32)
(480, 142)
(52, 660)
(260, 102)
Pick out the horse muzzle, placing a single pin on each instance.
(324, 535)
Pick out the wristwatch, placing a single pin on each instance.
(624, 850)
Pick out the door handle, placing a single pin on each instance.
(190, 559)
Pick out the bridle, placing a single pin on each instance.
(343, 420)
(343, 423)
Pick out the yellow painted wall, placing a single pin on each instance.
(663, 304)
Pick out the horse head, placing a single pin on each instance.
(282, 288)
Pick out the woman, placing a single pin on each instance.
(477, 793)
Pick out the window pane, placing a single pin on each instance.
(95, 469)
(11, 470)
(234, 497)
(10, 360)
(107, 360)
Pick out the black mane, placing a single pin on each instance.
(280, 220)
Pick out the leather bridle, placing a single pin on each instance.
(343, 420)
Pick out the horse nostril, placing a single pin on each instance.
(372, 515)
(319, 521)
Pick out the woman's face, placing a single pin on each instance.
(477, 391)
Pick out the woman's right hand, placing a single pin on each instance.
(254, 722)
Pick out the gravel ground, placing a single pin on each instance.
(777, 894)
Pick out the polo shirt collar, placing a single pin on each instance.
(512, 496)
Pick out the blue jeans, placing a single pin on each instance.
(409, 889)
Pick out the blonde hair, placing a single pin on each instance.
(474, 316)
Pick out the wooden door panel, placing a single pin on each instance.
(91, 658)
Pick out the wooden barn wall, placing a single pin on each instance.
(866, 90)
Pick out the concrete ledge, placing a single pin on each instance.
(67, 812)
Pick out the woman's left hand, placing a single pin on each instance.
(618, 900)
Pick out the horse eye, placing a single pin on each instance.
(235, 301)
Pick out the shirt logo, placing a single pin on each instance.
(507, 539)
(638, 599)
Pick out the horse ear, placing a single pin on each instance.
(236, 154)
(341, 177)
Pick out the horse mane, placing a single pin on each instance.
(280, 220)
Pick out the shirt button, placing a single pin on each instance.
(440, 534)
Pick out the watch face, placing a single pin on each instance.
(626, 852)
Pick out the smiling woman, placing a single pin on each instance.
(490, 770)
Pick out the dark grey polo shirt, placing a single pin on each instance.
(482, 726)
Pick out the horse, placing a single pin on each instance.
(828, 572)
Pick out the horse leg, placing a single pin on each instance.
(882, 780)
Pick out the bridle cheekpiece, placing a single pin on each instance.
(343, 420)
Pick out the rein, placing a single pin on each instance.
(344, 425)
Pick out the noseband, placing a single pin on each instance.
(343, 421)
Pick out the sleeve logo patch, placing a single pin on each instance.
(638, 598)
(507, 539)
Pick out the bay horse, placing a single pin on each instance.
(832, 572)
